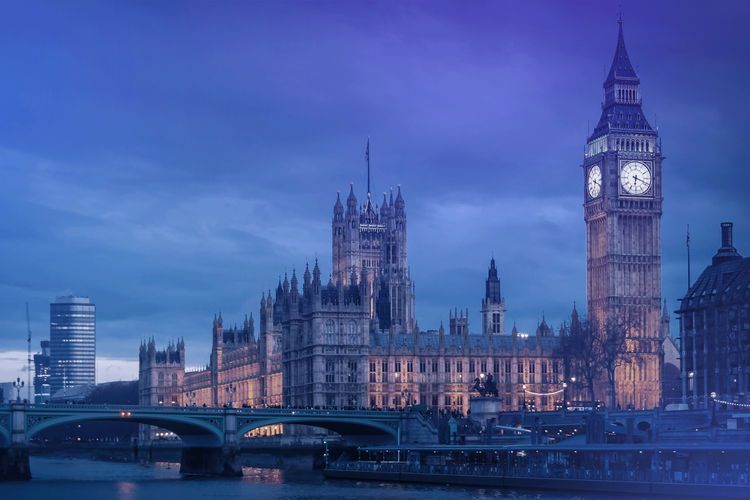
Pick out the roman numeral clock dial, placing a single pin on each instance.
(635, 178)
(594, 183)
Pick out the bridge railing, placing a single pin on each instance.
(115, 407)
(204, 409)
(289, 411)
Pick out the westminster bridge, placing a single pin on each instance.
(209, 435)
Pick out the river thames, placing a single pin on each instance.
(58, 478)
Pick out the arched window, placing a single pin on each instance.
(174, 380)
(648, 146)
(352, 333)
(330, 332)
(161, 378)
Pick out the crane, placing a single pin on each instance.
(28, 325)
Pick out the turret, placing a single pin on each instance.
(351, 202)
(306, 287)
(316, 284)
(441, 339)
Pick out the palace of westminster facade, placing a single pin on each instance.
(354, 341)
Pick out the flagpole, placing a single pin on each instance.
(367, 157)
(688, 252)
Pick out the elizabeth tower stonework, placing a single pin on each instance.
(622, 172)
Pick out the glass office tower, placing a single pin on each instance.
(41, 374)
(72, 336)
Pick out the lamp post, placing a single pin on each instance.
(714, 423)
(524, 396)
(565, 388)
(231, 390)
(17, 385)
(190, 396)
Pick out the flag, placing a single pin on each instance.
(688, 236)
(367, 151)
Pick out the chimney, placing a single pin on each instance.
(727, 252)
(726, 234)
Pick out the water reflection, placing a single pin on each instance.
(126, 491)
(258, 475)
(76, 479)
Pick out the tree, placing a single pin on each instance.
(611, 338)
(736, 352)
(594, 348)
(579, 349)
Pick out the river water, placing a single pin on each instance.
(57, 478)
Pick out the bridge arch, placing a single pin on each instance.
(356, 431)
(192, 431)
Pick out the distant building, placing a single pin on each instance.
(715, 329)
(41, 374)
(72, 335)
(73, 394)
(356, 342)
(6, 392)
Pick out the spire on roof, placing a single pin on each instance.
(338, 208)
(621, 65)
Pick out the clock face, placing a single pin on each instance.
(635, 178)
(594, 183)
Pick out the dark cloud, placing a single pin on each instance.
(172, 161)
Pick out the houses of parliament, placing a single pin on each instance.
(355, 341)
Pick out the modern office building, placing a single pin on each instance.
(41, 374)
(72, 349)
(7, 394)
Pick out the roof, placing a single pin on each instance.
(499, 342)
(719, 284)
(621, 66)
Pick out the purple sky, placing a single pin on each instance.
(171, 159)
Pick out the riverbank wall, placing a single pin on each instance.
(582, 485)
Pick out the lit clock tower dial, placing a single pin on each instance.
(635, 178)
(622, 207)
(594, 183)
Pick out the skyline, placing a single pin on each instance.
(192, 152)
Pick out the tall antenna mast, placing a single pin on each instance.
(367, 159)
(28, 326)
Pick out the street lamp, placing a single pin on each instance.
(714, 423)
(231, 390)
(17, 386)
(190, 396)
(524, 396)
(565, 398)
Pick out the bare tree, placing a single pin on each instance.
(737, 353)
(579, 349)
(593, 349)
(611, 338)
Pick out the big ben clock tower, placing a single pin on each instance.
(622, 208)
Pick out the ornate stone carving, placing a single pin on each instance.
(216, 422)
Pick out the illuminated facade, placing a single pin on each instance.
(356, 342)
(622, 184)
